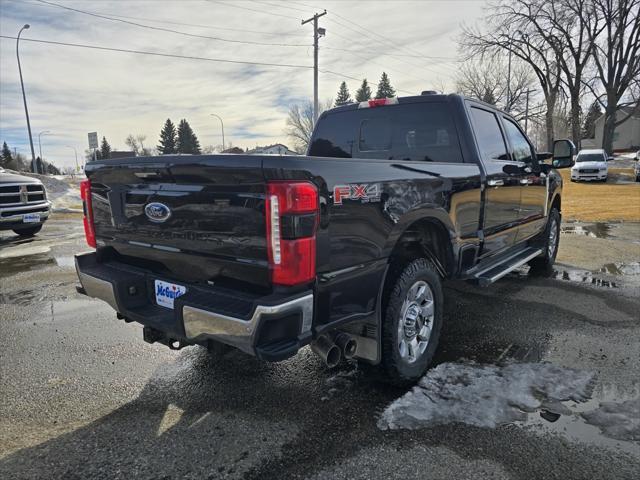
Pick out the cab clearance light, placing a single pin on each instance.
(378, 102)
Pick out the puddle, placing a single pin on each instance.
(610, 419)
(539, 396)
(595, 230)
(582, 276)
(22, 297)
(621, 268)
(13, 265)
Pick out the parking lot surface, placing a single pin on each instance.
(82, 396)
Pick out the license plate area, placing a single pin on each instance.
(31, 218)
(166, 293)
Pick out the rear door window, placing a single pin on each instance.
(520, 147)
(423, 131)
(488, 135)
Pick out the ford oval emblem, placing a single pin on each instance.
(157, 212)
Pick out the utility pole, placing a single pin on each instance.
(24, 98)
(317, 32)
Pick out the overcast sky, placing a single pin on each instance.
(72, 91)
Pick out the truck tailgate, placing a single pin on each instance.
(198, 218)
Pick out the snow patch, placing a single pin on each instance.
(485, 395)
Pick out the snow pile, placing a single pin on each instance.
(485, 395)
(617, 420)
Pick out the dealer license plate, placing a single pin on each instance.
(167, 292)
(31, 218)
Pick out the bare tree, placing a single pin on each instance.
(136, 144)
(485, 80)
(560, 24)
(616, 82)
(506, 32)
(300, 123)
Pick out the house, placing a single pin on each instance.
(234, 150)
(626, 135)
(275, 149)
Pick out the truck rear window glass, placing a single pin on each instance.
(416, 131)
(488, 134)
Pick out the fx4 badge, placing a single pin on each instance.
(367, 192)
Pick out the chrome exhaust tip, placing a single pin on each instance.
(347, 344)
(328, 351)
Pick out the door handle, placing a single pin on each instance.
(495, 182)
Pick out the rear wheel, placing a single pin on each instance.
(544, 263)
(412, 321)
(28, 232)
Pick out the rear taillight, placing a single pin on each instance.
(89, 229)
(292, 217)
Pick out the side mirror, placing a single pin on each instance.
(563, 151)
(609, 159)
(541, 156)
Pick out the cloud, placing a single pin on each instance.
(71, 91)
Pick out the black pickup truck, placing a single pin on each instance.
(344, 249)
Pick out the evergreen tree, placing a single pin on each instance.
(195, 144)
(589, 126)
(168, 138)
(39, 165)
(385, 90)
(344, 97)
(364, 92)
(6, 159)
(187, 140)
(105, 149)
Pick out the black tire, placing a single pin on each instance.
(398, 369)
(544, 263)
(28, 232)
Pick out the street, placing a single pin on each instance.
(82, 396)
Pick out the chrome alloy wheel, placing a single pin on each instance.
(415, 322)
(553, 238)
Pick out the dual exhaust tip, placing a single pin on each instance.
(331, 348)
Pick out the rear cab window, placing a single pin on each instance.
(420, 131)
(489, 135)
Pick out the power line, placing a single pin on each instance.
(254, 10)
(365, 31)
(162, 29)
(350, 51)
(172, 55)
(184, 24)
(157, 54)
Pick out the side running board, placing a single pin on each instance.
(495, 272)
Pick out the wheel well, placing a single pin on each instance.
(557, 203)
(428, 238)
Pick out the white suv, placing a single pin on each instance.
(590, 165)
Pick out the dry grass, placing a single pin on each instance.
(594, 201)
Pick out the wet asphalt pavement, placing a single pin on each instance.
(82, 396)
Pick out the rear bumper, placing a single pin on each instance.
(12, 217)
(272, 327)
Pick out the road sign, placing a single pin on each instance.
(93, 139)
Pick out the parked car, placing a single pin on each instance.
(636, 167)
(345, 249)
(590, 165)
(23, 204)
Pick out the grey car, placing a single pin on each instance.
(23, 204)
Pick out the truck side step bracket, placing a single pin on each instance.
(492, 274)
